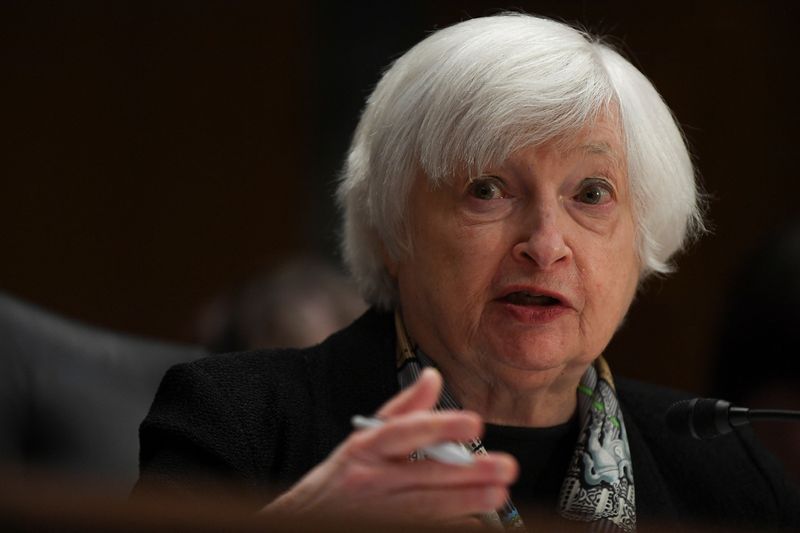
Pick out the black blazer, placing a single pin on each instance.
(267, 417)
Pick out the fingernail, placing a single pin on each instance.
(429, 371)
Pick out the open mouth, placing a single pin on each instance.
(531, 299)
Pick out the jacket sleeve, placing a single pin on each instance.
(193, 437)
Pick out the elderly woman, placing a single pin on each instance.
(510, 184)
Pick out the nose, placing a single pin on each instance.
(543, 242)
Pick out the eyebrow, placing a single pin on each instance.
(601, 148)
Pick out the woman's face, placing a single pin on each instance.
(524, 273)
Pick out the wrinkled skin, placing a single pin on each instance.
(555, 219)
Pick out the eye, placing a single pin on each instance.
(595, 191)
(486, 188)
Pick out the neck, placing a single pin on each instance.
(527, 398)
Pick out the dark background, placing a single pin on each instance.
(153, 153)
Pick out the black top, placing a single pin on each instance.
(268, 417)
(543, 455)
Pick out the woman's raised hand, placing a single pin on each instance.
(369, 474)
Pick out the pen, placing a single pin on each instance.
(450, 453)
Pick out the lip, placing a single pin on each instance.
(534, 314)
(562, 299)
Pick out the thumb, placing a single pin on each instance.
(421, 396)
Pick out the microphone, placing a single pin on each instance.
(706, 418)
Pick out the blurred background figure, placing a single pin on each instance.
(757, 360)
(298, 304)
(72, 396)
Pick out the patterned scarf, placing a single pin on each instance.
(598, 487)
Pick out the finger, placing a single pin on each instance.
(421, 396)
(494, 469)
(450, 503)
(401, 435)
(497, 469)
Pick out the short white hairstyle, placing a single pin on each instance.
(468, 96)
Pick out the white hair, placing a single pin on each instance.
(468, 96)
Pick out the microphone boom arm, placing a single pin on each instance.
(706, 418)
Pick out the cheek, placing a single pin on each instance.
(611, 277)
(456, 269)
(465, 255)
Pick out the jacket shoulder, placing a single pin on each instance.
(218, 416)
(266, 415)
(247, 375)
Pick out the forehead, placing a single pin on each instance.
(599, 136)
(602, 140)
(603, 137)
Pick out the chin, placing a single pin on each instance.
(535, 355)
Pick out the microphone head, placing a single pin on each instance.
(702, 418)
(678, 417)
